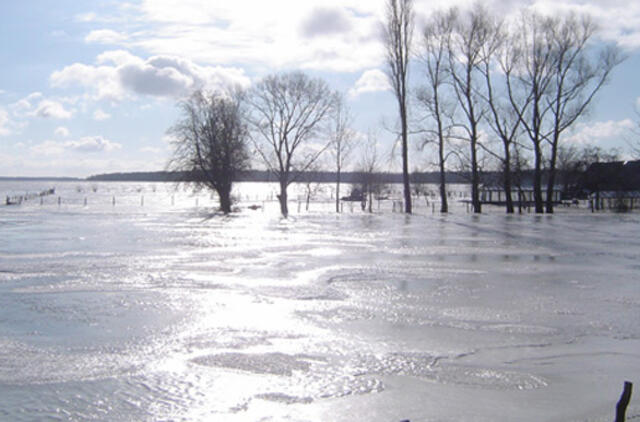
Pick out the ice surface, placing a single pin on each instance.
(161, 310)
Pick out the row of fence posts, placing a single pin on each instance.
(113, 201)
(397, 206)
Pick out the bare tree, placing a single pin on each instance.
(369, 168)
(578, 76)
(397, 40)
(528, 85)
(342, 141)
(519, 165)
(433, 97)
(311, 184)
(556, 78)
(471, 33)
(289, 112)
(211, 141)
(504, 122)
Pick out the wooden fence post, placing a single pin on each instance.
(621, 407)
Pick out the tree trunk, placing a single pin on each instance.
(475, 179)
(552, 177)
(405, 163)
(520, 200)
(537, 180)
(338, 191)
(284, 209)
(507, 179)
(225, 200)
(444, 206)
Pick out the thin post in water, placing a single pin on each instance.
(621, 407)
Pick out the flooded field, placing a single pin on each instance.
(134, 302)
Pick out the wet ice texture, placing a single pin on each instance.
(160, 314)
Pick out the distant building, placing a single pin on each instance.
(614, 185)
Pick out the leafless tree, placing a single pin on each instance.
(528, 85)
(289, 112)
(578, 75)
(433, 97)
(369, 168)
(211, 140)
(397, 40)
(555, 79)
(472, 31)
(505, 124)
(311, 185)
(519, 164)
(343, 141)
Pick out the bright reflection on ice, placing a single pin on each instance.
(172, 313)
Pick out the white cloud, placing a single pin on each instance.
(316, 34)
(121, 74)
(4, 123)
(334, 35)
(101, 80)
(51, 109)
(325, 21)
(118, 58)
(61, 132)
(595, 132)
(373, 80)
(45, 108)
(25, 104)
(101, 115)
(93, 144)
(88, 144)
(104, 36)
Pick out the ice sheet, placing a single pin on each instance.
(169, 312)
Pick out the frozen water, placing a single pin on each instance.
(156, 309)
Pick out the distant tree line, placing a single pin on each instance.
(316, 176)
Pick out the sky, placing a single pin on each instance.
(92, 87)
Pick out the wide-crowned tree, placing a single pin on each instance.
(210, 141)
(289, 117)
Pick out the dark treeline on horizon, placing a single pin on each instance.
(353, 177)
(266, 176)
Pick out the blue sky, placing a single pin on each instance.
(91, 87)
